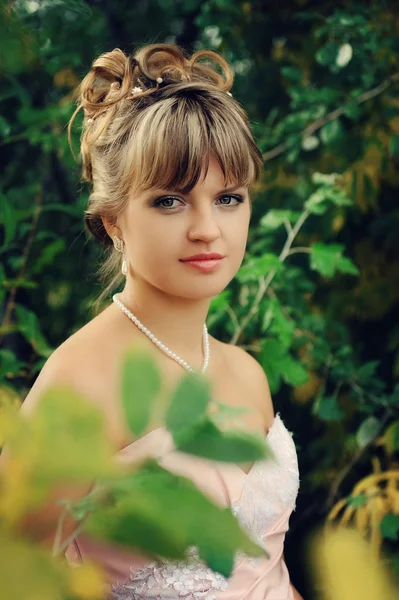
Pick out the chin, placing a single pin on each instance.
(200, 290)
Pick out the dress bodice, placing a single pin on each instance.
(262, 500)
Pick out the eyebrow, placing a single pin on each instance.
(228, 189)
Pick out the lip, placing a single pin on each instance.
(203, 256)
(204, 265)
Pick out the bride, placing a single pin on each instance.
(170, 157)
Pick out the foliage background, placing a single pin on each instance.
(320, 83)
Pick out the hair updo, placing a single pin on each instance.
(152, 119)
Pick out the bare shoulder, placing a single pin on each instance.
(87, 363)
(249, 373)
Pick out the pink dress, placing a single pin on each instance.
(261, 500)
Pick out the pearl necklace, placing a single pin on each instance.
(161, 346)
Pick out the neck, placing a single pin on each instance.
(177, 322)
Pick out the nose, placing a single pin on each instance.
(203, 227)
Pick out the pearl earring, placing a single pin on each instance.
(120, 247)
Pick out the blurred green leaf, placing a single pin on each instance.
(394, 145)
(292, 74)
(389, 527)
(256, 267)
(310, 142)
(206, 440)
(28, 325)
(141, 384)
(189, 402)
(357, 501)
(145, 517)
(7, 220)
(327, 409)
(331, 131)
(367, 431)
(327, 55)
(9, 363)
(274, 218)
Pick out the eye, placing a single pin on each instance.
(168, 200)
(239, 199)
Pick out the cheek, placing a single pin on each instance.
(238, 234)
(152, 247)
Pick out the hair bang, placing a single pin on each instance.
(178, 145)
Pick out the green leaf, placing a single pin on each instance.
(389, 527)
(5, 127)
(271, 357)
(8, 220)
(353, 110)
(227, 414)
(73, 211)
(141, 384)
(206, 440)
(395, 564)
(278, 363)
(293, 372)
(367, 431)
(292, 73)
(345, 265)
(328, 54)
(217, 309)
(327, 258)
(274, 218)
(137, 523)
(163, 514)
(394, 145)
(278, 324)
(189, 402)
(324, 178)
(316, 203)
(331, 132)
(310, 142)
(365, 372)
(391, 437)
(327, 408)
(29, 326)
(64, 440)
(357, 501)
(48, 255)
(256, 267)
(9, 363)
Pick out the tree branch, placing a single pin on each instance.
(334, 114)
(264, 282)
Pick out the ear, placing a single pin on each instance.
(111, 228)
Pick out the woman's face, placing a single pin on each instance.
(160, 228)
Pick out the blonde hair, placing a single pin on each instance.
(161, 136)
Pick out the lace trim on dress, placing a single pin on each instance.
(269, 489)
(190, 579)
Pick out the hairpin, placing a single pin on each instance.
(136, 90)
